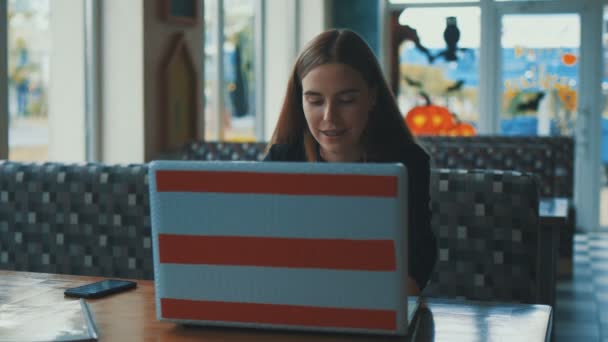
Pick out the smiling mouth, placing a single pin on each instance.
(333, 132)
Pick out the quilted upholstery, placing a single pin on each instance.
(86, 219)
(200, 150)
(549, 157)
(94, 219)
(487, 229)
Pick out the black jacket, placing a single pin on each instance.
(422, 245)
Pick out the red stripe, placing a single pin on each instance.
(367, 255)
(308, 316)
(276, 183)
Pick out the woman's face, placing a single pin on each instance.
(337, 101)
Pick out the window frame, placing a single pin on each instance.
(4, 82)
(92, 82)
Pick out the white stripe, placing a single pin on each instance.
(288, 286)
(277, 215)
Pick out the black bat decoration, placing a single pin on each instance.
(532, 104)
(413, 83)
(456, 86)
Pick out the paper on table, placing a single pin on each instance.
(70, 320)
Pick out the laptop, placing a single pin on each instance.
(304, 246)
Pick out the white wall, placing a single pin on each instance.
(279, 58)
(314, 19)
(122, 131)
(281, 50)
(66, 88)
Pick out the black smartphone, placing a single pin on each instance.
(100, 288)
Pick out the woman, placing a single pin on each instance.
(338, 108)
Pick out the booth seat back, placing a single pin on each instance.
(487, 229)
(85, 219)
(94, 219)
(213, 150)
(550, 157)
(532, 159)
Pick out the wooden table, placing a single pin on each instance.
(130, 316)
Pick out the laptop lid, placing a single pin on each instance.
(307, 246)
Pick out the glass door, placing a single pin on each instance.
(549, 55)
(540, 74)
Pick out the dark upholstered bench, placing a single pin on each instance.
(94, 219)
(550, 158)
(201, 150)
(84, 219)
(487, 228)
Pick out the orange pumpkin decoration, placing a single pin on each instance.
(460, 129)
(428, 119)
(569, 59)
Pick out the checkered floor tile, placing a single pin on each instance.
(581, 308)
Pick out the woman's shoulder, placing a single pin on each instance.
(412, 153)
(285, 152)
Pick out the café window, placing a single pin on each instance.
(45, 54)
(435, 62)
(230, 91)
(540, 74)
(29, 50)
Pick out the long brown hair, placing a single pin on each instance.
(386, 131)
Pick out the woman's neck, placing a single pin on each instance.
(354, 155)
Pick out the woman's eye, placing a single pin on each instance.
(347, 100)
(315, 102)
